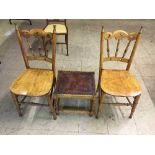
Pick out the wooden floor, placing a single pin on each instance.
(84, 46)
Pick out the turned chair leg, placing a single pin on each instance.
(15, 98)
(135, 102)
(50, 103)
(101, 98)
(66, 41)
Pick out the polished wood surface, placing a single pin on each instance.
(33, 82)
(119, 83)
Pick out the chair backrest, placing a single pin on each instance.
(62, 21)
(129, 40)
(33, 44)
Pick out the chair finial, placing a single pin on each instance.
(140, 31)
(102, 28)
(54, 28)
(16, 27)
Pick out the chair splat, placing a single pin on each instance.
(117, 47)
(108, 48)
(119, 36)
(126, 49)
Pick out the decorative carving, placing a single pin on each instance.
(132, 36)
(107, 35)
(120, 34)
(36, 41)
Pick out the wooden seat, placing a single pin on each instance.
(119, 83)
(61, 29)
(33, 82)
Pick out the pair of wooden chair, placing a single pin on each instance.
(40, 82)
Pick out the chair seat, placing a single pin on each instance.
(60, 28)
(33, 82)
(119, 83)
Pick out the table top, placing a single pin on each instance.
(75, 83)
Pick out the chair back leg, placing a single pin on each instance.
(66, 41)
(15, 98)
(135, 102)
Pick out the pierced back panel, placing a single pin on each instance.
(119, 46)
(34, 46)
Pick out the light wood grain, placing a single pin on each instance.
(33, 82)
(119, 83)
(120, 34)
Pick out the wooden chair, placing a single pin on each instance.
(118, 83)
(35, 82)
(61, 29)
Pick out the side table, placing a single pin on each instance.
(75, 84)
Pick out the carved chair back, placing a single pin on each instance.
(124, 54)
(33, 45)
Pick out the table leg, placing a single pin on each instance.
(92, 102)
(51, 105)
(56, 104)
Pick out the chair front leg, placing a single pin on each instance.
(135, 102)
(51, 105)
(101, 98)
(15, 98)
